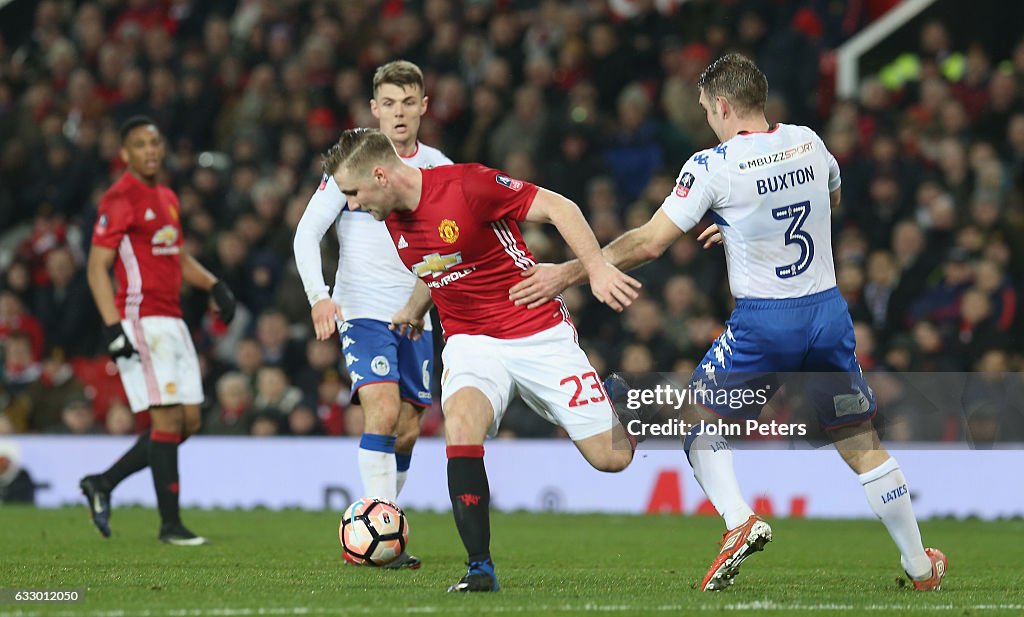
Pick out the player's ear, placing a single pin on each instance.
(380, 176)
(722, 106)
(423, 105)
(373, 109)
(124, 155)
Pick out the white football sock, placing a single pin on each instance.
(889, 497)
(711, 459)
(377, 466)
(400, 482)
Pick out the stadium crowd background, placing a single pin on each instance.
(603, 108)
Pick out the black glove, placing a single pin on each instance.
(225, 301)
(117, 342)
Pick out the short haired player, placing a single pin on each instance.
(456, 229)
(769, 190)
(390, 373)
(138, 234)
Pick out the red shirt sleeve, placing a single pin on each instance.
(494, 196)
(113, 220)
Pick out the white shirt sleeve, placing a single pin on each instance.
(693, 195)
(322, 211)
(835, 180)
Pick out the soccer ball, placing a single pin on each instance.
(373, 532)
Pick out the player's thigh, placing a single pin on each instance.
(416, 369)
(555, 378)
(165, 371)
(475, 382)
(371, 355)
(834, 382)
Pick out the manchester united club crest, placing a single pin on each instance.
(448, 230)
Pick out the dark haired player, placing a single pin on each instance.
(138, 234)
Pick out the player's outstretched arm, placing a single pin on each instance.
(607, 282)
(410, 319)
(633, 248)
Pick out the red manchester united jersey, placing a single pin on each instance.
(141, 223)
(463, 242)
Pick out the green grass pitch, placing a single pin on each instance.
(289, 563)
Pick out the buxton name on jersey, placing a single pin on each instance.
(463, 242)
(769, 194)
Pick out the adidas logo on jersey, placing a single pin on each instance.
(402, 243)
(150, 215)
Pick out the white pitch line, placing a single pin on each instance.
(563, 608)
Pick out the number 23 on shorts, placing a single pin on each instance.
(579, 397)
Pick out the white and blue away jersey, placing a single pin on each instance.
(371, 282)
(769, 194)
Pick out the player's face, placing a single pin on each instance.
(399, 110)
(143, 151)
(366, 192)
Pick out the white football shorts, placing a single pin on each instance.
(165, 371)
(547, 369)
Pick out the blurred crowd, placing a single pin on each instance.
(594, 99)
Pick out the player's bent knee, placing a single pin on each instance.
(612, 462)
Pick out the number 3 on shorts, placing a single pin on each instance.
(595, 385)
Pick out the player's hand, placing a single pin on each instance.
(326, 315)
(407, 323)
(117, 342)
(710, 236)
(613, 287)
(225, 301)
(540, 284)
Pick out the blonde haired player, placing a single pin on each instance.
(456, 229)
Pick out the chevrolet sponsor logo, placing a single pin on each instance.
(436, 264)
